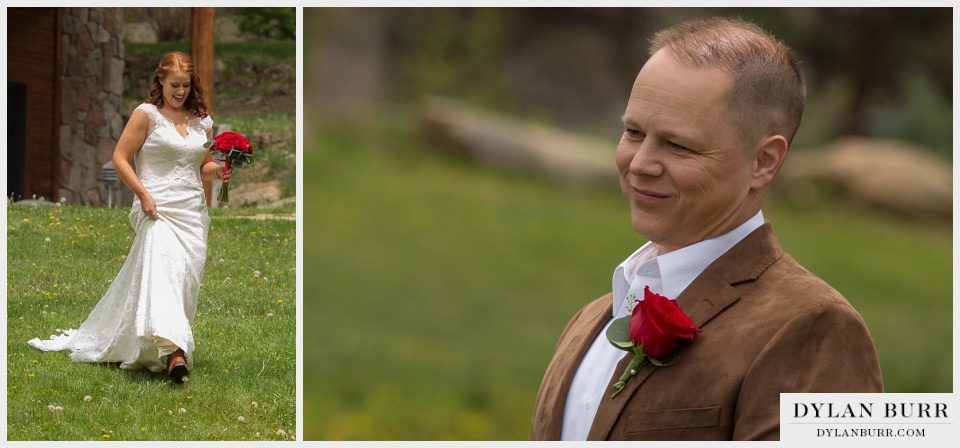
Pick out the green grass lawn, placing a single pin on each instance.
(60, 261)
(436, 290)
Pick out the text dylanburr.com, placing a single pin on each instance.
(854, 419)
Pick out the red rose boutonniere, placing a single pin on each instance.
(655, 328)
(233, 149)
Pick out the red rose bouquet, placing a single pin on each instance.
(233, 149)
(655, 328)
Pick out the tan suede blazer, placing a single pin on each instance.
(769, 326)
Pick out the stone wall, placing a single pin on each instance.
(91, 91)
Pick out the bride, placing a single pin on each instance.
(144, 320)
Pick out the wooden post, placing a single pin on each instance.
(201, 50)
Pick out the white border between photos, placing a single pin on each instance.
(299, 153)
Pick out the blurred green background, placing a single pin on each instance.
(437, 288)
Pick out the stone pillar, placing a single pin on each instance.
(90, 101)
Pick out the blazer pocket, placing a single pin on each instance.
(672, 419)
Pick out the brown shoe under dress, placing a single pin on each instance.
(177, 366)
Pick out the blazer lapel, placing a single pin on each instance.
(715, 289)
(610, 408)
(706, 297)
(566, 361)
(709, 295)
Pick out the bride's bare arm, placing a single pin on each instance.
(210, 170)
(132, 138)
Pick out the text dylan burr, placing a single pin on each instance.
(866, 410)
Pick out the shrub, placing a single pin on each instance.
(267, 23)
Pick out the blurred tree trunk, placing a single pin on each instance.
(870, 65)
(201, 49)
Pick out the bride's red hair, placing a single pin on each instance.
(178, 62)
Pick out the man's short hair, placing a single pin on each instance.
(768, 90)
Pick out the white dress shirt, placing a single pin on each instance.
(668, 275)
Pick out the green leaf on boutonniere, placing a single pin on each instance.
(618, 333)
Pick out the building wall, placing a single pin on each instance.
(91, 92)
(32, 57)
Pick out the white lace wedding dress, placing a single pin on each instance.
(148, 311)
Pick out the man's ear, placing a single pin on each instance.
(769, 157)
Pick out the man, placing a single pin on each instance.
(707, 127)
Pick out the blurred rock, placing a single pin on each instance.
(227, 30)
(255, 194)
(505, 142)
(894, 175)
(292, 200)
(141, 32)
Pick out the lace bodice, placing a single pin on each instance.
(167, 158)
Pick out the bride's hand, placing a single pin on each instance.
(226, 174)
(149, 207)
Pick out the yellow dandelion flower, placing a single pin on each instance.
(280, 301)
(267, 264)
(30, 375)
(26, 220)
(106, 436)
(253, 233)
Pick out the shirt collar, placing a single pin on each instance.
(678, 268)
